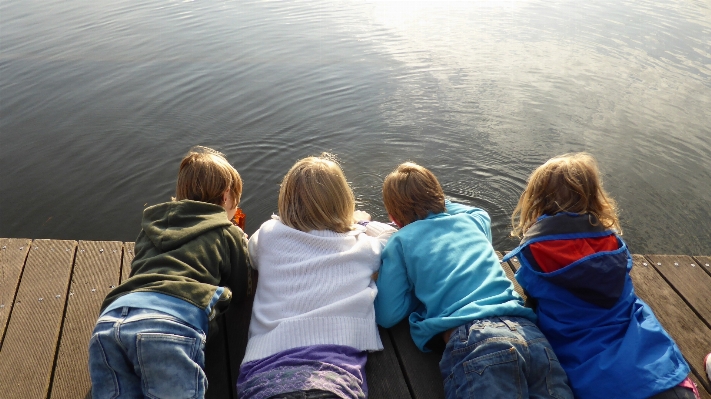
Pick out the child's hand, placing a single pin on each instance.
(359, 216)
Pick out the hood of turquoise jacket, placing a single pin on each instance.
(171, 224)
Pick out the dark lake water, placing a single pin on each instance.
(99, 101)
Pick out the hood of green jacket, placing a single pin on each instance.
(171, 224)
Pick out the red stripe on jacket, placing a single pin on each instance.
(557, 254)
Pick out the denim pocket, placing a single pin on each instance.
(480, 364)
(103, 378)
(168, 365)
(495, 374)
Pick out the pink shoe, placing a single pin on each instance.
(707, 362)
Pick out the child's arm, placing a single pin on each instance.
(381, 231)
(395, 299)
(252, 249)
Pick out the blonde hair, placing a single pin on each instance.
(566, 183)
(315, 195)
(205, 175)
(411, 192)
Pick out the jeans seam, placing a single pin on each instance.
(471, 347)
(106, 363)
(117, 335)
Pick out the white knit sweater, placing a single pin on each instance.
(314, 288)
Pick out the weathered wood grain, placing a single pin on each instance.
(97, 269)
(128, 255)
(43, 351)
(421, 370)
(686, 277)
(704, 262)
(510, 273)
(30, 345)
(691, 334)
(13, 252)
(383, 373)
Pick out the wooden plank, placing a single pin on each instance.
(510, 271)
(217, 364)
(514, 263)
(689, 280)
(237, 320)
(383, 373)
(704, 262)
(421, 369)
(97, 269)
(30, 345)
(691, 334)
(703, 393)
(13, 253)
(128, 255)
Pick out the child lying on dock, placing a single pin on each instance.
(190, 262)
(313, 319)
(440, 269)
(575, 264)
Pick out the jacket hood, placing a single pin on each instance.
(171, 224)
(597, 278)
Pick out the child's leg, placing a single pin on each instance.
(111, 371)
(544, 374)
(489, 358)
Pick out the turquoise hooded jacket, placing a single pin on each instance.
(443, 272)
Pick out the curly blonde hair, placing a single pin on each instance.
(566, 183)
(315, 195)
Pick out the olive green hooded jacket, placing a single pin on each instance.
(187, 249)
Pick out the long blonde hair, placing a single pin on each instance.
(315, 195)
(566, 183)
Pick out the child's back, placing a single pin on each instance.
(190, 260)
(577, 268)
(186, 249)
(441, 269)
(447, 261)
(313, 319)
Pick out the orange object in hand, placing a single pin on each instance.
(239, 219)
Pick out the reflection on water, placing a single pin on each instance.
(100, 100)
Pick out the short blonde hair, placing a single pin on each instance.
(314, 195)
(411, 192)
(566, 183)
(205, 175)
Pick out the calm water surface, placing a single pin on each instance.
(99, 101)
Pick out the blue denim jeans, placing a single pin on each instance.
(502, 357)
(136, 353)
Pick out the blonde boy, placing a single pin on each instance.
(190, 261)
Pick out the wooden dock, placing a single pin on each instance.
(51, 290)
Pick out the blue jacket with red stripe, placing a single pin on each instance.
(606, 338)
